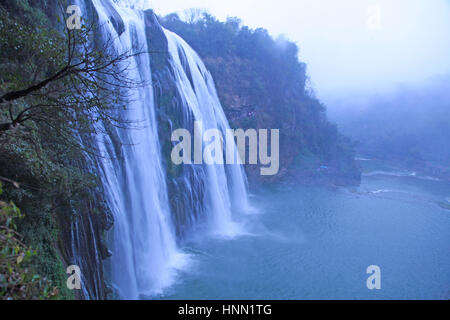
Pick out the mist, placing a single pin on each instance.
(410, 123)
(381, 68)
(351, 47)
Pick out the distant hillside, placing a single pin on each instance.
(262, 84)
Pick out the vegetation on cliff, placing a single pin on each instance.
(53, 89)
(18, 277)
(262, 84)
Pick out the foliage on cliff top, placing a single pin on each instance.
(262, 84)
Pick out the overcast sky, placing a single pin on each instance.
(350, 46)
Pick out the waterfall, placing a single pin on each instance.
(225, 185)
(144, 238)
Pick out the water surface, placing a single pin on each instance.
(316, 243)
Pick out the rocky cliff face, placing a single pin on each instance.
(262, 85)
(82, 238)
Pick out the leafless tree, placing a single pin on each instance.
(193, 15)
(81, 82)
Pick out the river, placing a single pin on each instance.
(316, 243)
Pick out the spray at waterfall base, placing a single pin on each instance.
(210, 147)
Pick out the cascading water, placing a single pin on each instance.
(144, 247)
(144, 238)
(225, 184)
